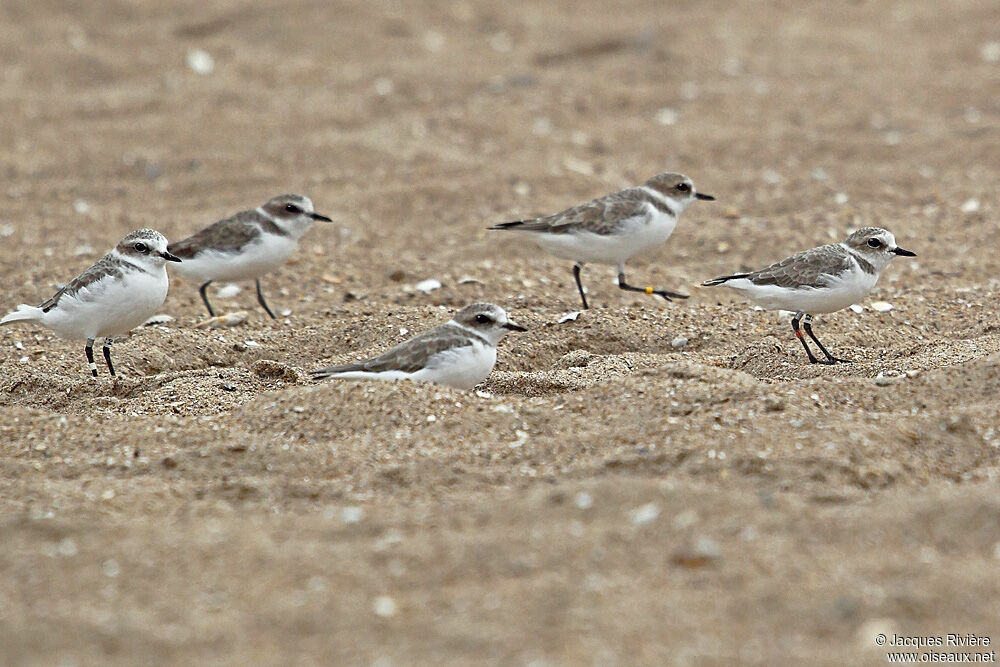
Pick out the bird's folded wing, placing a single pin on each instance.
(604, 216)
(811, 268)
(229, 235)
(105, 267)
(409, 356)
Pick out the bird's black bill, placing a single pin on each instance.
(514, 327)
(702, 195)
(317, 216)
(170, 258)
(904, 253)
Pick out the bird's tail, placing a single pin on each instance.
(24, 313)
(510, 225)
(331, 371)
(723, 279)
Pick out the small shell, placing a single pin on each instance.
(227, 320)
(881, 306)
(569, 317)
(162, 318)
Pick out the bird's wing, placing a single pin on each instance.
(604, 215)
(811, 268)
(229, 235)
(409, 356)
(104, 267)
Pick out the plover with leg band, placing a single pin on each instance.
(118, 293)
(822, 280)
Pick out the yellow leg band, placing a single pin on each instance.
(649, 290)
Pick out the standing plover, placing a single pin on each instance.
(247, 245)
(460, 353)
(822, 280)
(118, 293)
(613, 228)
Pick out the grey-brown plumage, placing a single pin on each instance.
(247, 245)
(111, 265)
(460, 353)
(811, 268)
(411, 355)
(109, 299)
(821, 280)
(614, 228)
(107, 266)
(605, 215)
(229, 235)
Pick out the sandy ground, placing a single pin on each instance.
(606, 497)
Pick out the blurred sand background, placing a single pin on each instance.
(613, 495)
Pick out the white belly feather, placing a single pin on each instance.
(264, 255)
(841, 291)
(460, 367)
(637, 234)
(109, 307)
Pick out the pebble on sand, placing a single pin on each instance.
(200, 61)
(881, 306)
(228, 291)
(644, 514)
(427, 286)
(970, 205)
(384, 606)
(704, 551)
(990, 52)
(352, 514)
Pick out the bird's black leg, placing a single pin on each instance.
(579, 285)
(807, 325)
(260, 299)
(204, 297)
(645, 290)
(798, 334)
(107, 355)
(90, 356)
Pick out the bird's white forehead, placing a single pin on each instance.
(469, 313)
(300, 200)
(150, 236)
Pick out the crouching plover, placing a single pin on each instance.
(615, 227)
(117, 294)
(247, 245)
(822, 280)
(460, 353)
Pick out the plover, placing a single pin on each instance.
(118, 293)
(247, 245)
(460, 353)
(822, 280)
(613, 228)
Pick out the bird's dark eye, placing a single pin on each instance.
(141, 247)
(683, 187)
(292, 208)
(874, 243)
(483, 319)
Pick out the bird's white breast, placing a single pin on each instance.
(840, 292)
(109, 307)
(265, 254)
(460, 367)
